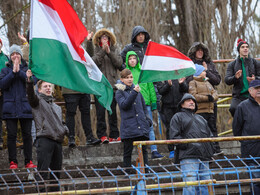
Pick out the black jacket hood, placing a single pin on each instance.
(198, 45)
(136, 31)
(187, 96)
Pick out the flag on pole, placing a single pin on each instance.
(162, 62)
(56, 55)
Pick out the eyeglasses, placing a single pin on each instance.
(104, 36)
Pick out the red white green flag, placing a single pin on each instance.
(56, 55)
(162, 62)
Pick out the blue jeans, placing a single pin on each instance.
(255, 174)
(194, 170)
(151, 133)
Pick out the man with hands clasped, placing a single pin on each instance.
(240, 73)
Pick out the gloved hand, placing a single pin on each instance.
(154, 106)
(149, 121)
(210, 97)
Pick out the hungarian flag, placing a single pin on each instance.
(56, 55)
(162, 62)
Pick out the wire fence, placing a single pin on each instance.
(227, 176)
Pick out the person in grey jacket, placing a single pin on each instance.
(193, 157)
(50, 129)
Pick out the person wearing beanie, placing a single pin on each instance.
(240, 73)
(16, 106)
(109, 61)
(206, 96)
(3, 59)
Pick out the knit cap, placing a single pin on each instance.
(15, 48)
(199, 70)
(240, 42)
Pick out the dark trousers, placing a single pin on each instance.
(234, 103)
(1, 119)
(210, 118)
(49, 155)
(72, 101)
(26, 125)
(101, 120)
(168, 113)
(128, 148)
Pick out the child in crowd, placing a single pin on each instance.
(205, 95)
(135, 121)
(148, 93)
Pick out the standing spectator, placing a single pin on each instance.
(171, 91)
(135, 121)
(16, 107)
(246, 123)
(148, 93)
(3, 60)
(139, 41)
(205, 95)
(240, 73)
(50, 129)
(199, 54)
(188, 125)
(74, 99)
(108, 61)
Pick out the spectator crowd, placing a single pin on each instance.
(186, 106)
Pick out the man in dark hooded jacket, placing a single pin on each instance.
(139, 41)
(193, 156)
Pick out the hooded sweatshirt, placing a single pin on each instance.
(147, 89)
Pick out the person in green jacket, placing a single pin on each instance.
(3, 60)
(148, 93)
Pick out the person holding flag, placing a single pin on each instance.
(148, 92)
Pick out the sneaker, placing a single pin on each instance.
(218, 153)
(72, 142)
(156, 155)
(30, 165)
(171, 154)
(92, 141)
(111, 140)
(104, 140)
(13, 165)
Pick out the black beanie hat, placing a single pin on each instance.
(240, 42)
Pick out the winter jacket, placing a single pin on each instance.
(13, 87)
(198, 129)
(135, 120)
(252, 67)
(47, 115)
(171, 95)
(200, 89)
(147, 89)
(136, 47)
(211, 72)
(107, 63)
(245, 123)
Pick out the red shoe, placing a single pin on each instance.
(13, 165)
(111, 140)
(104, 140)
(30, 165)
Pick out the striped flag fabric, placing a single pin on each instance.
(56, 54)
(162, 62)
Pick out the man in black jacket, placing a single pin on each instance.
(240, 73)
(246, 122)
(193, 156)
